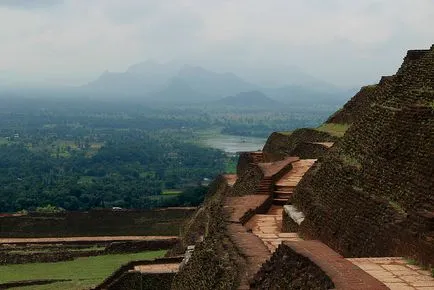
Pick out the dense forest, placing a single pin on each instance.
(82, 154)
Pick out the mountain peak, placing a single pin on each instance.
(249, 98)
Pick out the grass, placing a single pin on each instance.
(171, 192)
(396, 206)
(350, 161)
(84, 272)
(333, 129)
(413, 262)
(3, 141)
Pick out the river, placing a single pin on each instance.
(233, 144)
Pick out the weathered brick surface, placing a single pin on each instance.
(216, 262)
(247, 158)
(372, 193)
(309, 150)
(241, 208)
(354, 108)
(259, 178)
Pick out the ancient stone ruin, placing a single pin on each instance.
(315, 210)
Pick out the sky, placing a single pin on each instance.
(346, 43)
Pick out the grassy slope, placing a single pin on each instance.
(337, 130)
(84, 272)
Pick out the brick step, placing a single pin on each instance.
(280, 201)
(285, 188)
(284, 191)
(278, 195)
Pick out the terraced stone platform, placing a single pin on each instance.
(293, 177)
(268, 228)
(396, 273)
(157, 268)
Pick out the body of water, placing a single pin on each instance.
(233, 144)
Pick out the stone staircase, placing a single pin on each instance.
(282, 194)
(259, 236)
(268, 228)
(265, 186)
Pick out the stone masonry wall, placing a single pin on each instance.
(289, 270)
(215, 263)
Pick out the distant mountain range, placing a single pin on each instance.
(251, 99)
(174, 83)
(150, 83)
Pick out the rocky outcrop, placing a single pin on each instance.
(281, 145)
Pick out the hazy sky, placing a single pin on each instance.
(340, 41)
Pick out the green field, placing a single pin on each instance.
(337, 130)
(171, 192)
(84, 272)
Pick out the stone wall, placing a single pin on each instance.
(96, 223)
(215, 263)
(194, 229)
(289, 270)
(371, 194)
(308, 150)
(244, 160)
(41, 257)
(248, 183)
(352, 110)
(139, 246)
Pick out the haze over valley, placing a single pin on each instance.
(198, 144)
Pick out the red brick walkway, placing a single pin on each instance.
(396, 273)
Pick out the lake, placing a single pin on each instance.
(233, 144)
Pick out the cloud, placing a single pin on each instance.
(343, 42)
